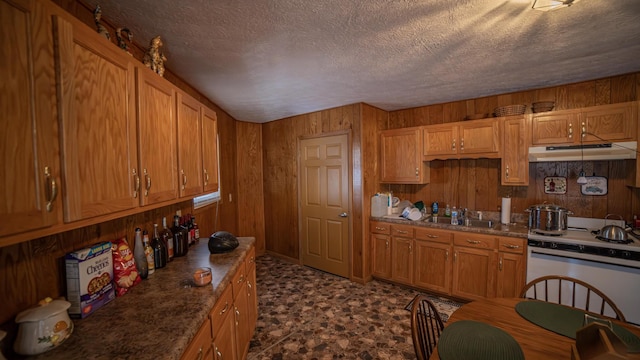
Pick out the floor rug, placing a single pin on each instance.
(445, 306)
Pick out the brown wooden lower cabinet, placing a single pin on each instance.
(201, 345)
(226, 334)
(463, 264)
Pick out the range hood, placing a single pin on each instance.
(608, 151)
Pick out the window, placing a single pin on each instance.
(206, 199)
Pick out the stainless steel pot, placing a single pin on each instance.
(613, 233)
(548, 219)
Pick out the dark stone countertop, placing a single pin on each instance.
(517, 230)
(158, 318)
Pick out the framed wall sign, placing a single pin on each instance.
(555, 185)
(596, 185)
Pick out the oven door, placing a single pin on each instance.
(620, 283)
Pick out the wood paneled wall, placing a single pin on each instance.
(250, 192)
(475, 184)
(280, 143)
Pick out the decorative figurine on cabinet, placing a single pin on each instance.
(121, 43)
(153, 58)
(97, 15)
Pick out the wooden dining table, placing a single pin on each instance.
(536, 342)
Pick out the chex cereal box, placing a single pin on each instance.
(89, 279)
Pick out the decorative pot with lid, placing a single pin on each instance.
(43, 327)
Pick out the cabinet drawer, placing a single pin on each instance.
(475, 240)
(440, 236)
(200, 344)
(223, 307)
(239, 279)
(402, 231)
(376, 227)
(513, 245)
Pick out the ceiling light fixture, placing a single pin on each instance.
(548, 5)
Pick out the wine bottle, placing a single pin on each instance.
(159, 250)
(140, 256)
(148, 251)
(196, 229)
(167, 237)
(180, 245)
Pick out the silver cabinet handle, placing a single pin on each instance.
(184, 179)
(453, 144)
(206, 177)
(417, 172)
(446, 255)
(381, 228)
(500, 264)
(225, 308)
(510, 246)
(387, 243)
(402, 232)
(461, 144)
(507, 172)
(344, 214)
(474, 242)
(432, 236)
(584, 130)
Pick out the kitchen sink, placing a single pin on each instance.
(470, 222)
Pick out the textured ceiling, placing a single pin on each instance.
(263, 60)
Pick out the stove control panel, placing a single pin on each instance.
(585, 249)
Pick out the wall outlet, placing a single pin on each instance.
(179, 212)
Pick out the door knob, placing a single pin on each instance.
(344, 214)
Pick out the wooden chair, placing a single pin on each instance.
(582, 295)
(426, 326)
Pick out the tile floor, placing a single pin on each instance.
(309, 314)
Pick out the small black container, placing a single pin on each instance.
(222, 242)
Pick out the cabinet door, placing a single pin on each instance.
(480, 137)
(615, 122)
(440, 142)
(473, 273)
(98, 134)
(511, 274)
(555, 128)
(189, 146)
(224, 342)
(402, 260)
(210, 150)
(28, 108)
(241, 316)
(401, 161)
(515, 153)
(252, 292)
(381, 261)
(156, 137)
(432, 266)
(200, 346)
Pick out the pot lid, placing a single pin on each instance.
(46, 309)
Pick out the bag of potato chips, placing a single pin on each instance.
(125, 274)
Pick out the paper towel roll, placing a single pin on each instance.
(505, 215)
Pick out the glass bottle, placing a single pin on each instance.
(167, 237)
(180, 245)
(140, 256)
(196, 229)
(159, 250)
(148, 251)
(191, 229)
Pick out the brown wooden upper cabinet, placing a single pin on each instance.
(190, 172)
(157, 144)
(97, 122)
(515, 150)
(596, 124)
(462, 140)
(400, 154)
(30, 178)
(210, 150)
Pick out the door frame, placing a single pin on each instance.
(349, 196)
